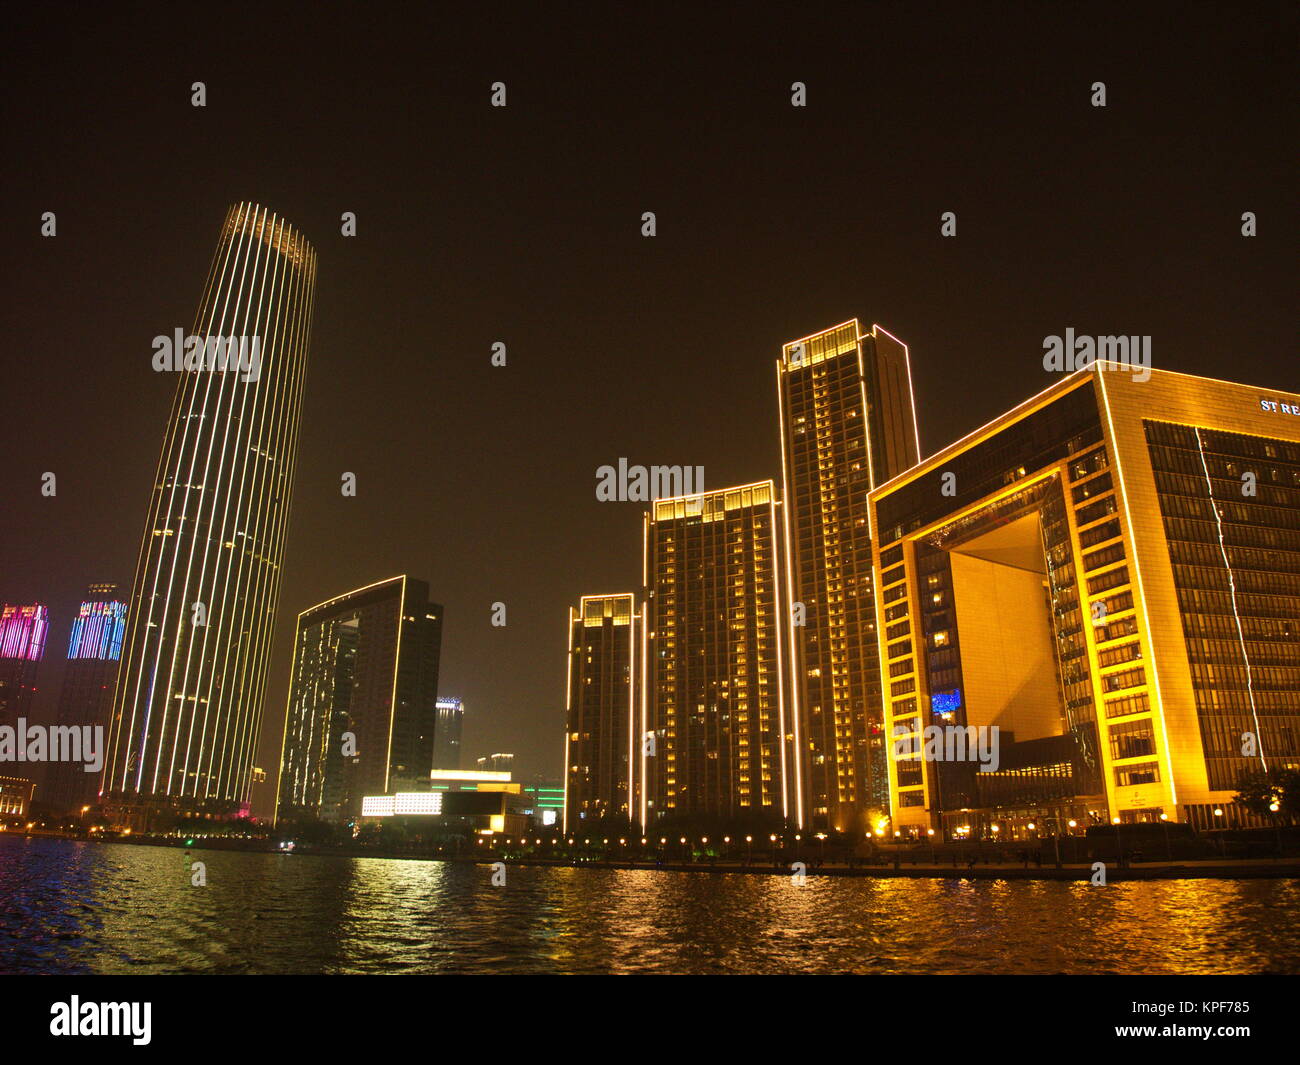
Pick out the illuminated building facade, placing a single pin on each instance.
(188, 705)
(447, 733)
(600, 714)
(714, 664)
(363, 700)
(86, 697)
(848, 423)
(1109, 573)
(544, 802)
(22, 646)
(15, 796)
(455, 802)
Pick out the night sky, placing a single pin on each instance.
(522, 225)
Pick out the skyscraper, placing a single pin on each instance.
(86, 698)
(847, 424)
(600, 714)
(362, 712)
(189, 699)
(713, 672)
(447, 733)
(22, 646)
(1112, 579)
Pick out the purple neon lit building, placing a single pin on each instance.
(22, 645)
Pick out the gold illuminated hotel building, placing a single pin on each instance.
(601, 710)
(848, 423)
(1109, 573)
(188, 705)
(714, 664)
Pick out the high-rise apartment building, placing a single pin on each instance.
(848, 423)
(363, 700)
(601, 710)
(714, 666)
(188, 705)
(447, 733)
(1110, 575)
(22, 646)
(86, 697)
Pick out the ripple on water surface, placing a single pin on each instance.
(70, 907)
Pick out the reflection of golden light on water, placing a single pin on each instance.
(639, 920)
(395, 881)
(117, 908)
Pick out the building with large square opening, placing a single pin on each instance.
(1109, 573)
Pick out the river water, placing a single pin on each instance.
(72, 907)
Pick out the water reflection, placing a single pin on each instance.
(72, 907)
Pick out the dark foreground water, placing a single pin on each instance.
(68, 907)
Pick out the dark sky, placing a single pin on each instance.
(523, 225)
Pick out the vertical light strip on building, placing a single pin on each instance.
(779, 535)
(397, 658)
(633, 627)
(643, 781)
(787, 603)
(189, 703)
(568, 702)
(1232, 595)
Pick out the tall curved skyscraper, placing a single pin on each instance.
(188, 704)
